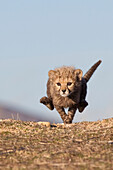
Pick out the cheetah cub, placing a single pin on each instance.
(67, 88)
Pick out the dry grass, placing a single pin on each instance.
(85, 145)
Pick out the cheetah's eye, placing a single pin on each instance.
(69, 84)
(58, 84)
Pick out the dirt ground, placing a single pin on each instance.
(80, 146)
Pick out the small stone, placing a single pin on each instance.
(44, 124)
(110, 142)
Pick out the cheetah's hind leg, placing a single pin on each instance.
(47, 102)
(82, 105)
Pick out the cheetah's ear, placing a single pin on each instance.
(51, 73)
(79, 74)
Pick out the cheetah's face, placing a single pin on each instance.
(65, 88)
(65, 80)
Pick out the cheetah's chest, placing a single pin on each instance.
(66, 101)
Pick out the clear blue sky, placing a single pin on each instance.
(36, 36)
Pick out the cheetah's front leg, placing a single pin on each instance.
(62, 113)
(71, 113)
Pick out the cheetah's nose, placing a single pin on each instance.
(63, 91)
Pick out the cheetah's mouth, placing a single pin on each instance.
(66, 94)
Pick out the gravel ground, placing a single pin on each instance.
(33, 145)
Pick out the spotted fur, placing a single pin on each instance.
(67, 88)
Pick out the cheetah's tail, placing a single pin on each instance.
(90, 72)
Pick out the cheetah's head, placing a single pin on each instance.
(65, 80)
